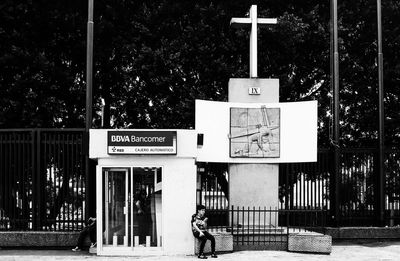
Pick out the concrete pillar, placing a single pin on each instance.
(254, 184)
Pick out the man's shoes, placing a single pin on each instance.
(202, 256)
(213, 255)
(76, 249)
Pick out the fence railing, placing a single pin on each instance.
(42, 179)
(262, 226)
(310, 186)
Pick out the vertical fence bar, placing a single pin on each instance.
(307, 181)
(2, 181)
(237, 224)
(75, 181)
(275, 223)
(39, 179)
(243, 225)
(264, 227)
(15, 178)
(9, 166)
(248, 224)
(254, 220)
(288, 223)
(57, 162)
(26, 179)
(231, 218)
(270, 224)
(67, 175)
(259, 224)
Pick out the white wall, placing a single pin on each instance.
(298, 131)
(238, 90)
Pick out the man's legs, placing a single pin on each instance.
(81, 237)
(211, 238)
(92, 234)
(203, 241)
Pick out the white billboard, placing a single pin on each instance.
(257, 132)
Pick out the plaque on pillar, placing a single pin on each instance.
(254, 132)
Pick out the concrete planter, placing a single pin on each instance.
(310, 242)
(39, 239)
(223, 243)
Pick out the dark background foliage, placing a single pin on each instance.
(152, 59)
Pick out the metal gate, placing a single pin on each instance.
(42, 179)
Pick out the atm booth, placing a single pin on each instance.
(146, 190)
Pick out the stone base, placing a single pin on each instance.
(223, 243)
(363, 233)
(310, 242)
(271, 246)
(40, 239)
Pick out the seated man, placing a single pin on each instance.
(199, 226)
(90, 229)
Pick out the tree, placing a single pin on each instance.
(153, 58)
(41, 64)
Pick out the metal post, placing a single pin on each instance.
(89, 67)
(335, 178)
(381, 200)
(39, 184)
(89, 78)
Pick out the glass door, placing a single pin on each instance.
(115, 207)
(146, 184)
(131, 208)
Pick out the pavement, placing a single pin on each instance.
(382, 251)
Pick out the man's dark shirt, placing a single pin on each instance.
(201, 224)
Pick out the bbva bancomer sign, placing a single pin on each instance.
(141, 142)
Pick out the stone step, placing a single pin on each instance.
(250, 230)
(223, 243)
(277, 231)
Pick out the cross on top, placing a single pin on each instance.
(253, 21)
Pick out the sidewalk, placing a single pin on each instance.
(383, 251)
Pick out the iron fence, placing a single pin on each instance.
(257, 226)
(306, 185)
(310, 186)
(212, 188)
(392, 188)
(357, 189)
(42, 179)
(262, 227)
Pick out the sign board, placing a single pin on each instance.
(254, 90)
(141, 142)
(257, 132)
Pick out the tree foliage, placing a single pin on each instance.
(152, 59)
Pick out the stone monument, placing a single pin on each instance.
(253, 132)
(253, 184)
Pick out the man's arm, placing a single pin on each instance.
(197, 228)
(206, 223)
(91, 221)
